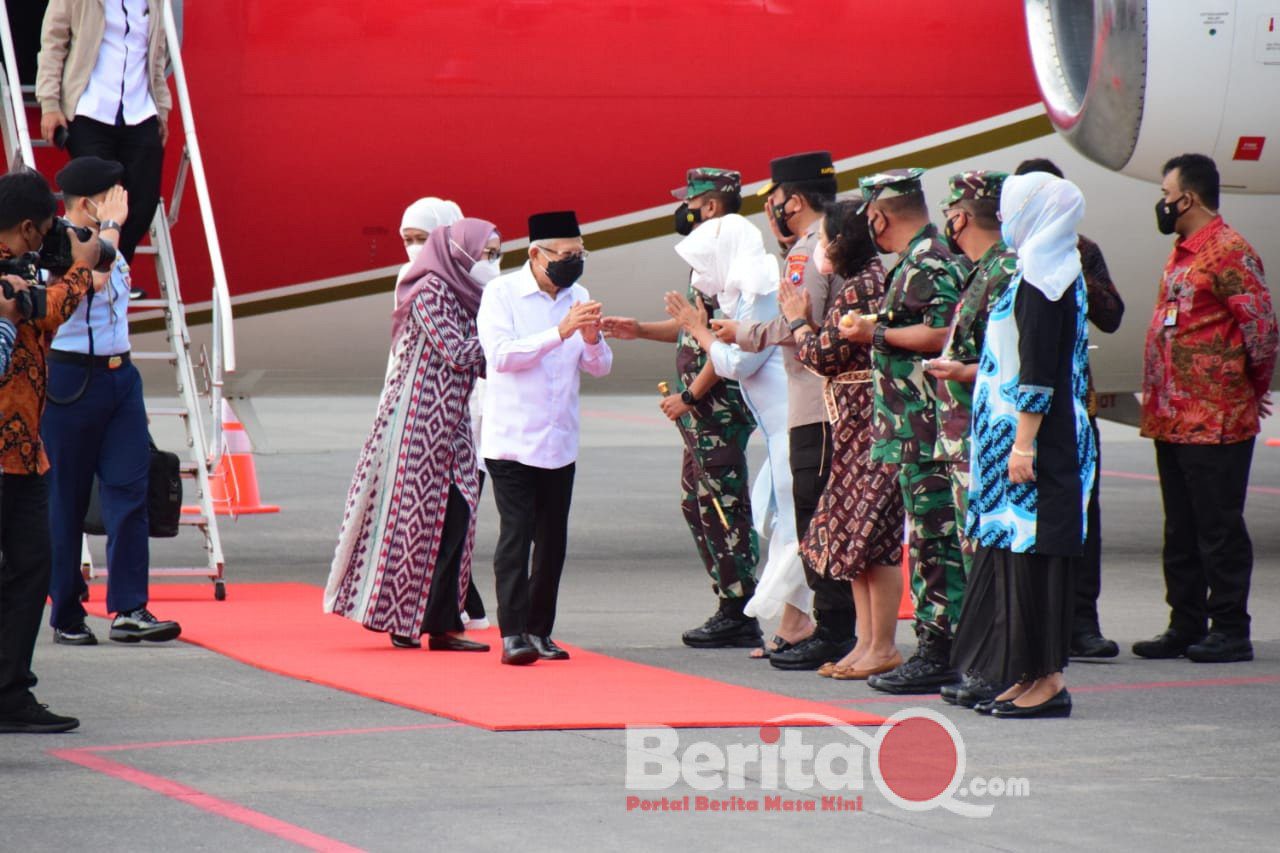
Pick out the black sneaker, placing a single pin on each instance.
(1170, 644)
(141, 625)
(811, 653)
(725, 630)
(926, 671)
(34, 718)
(970, 692)
(1219, 648)
(1093, 645)
(76, 635)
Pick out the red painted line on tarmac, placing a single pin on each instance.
(1152, 478)
(1091, 688)
(205, 802)
(281, 736)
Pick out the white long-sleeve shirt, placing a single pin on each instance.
(531, 393)
(120, 78)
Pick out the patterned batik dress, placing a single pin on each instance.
(420, 445)
(859, 518)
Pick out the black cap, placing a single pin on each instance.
(797, 168)
(88, 176)
(555, 225)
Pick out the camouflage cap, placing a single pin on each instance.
(888, 184)
(974, 186)
(705, 179)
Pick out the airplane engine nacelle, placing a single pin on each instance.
(1131, 83)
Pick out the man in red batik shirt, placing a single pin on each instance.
(1210, 353)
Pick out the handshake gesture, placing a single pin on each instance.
(583, 317)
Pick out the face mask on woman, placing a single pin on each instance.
(413, 250)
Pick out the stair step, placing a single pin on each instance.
(165, 411)
(193, 520)
(148, 303)
(152, 356)
(146, 250)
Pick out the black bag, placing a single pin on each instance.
(164, 498)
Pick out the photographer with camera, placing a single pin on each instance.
(96, 423)
(26, 221)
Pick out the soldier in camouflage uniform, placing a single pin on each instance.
(714, 416)
(973, 230)
(921, 293)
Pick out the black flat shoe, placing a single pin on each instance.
(1170, 644)
(810, 653)
(547, 648)
(449, 643)
(400, 641)
(1058, 705)
(1093, 646)
(985, 707)
(1219, 648)
(516, 651)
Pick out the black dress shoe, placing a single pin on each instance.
(1058, 705)
(517, 651)
(985, 706)
(139, 625)
(400, 641)
(77, 635)
(1219, 648)
(725, 630)
(1093, 646)
(810, 653)
(1170, 644)
(547, 648)
(450, 643)
(35, 718)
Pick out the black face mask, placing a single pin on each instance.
(1167, 215)
(686, 219)
(779, 213)
(564, 272)
(949, 234)
(871, 230)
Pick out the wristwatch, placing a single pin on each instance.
(796, 324)
(108, 225)
(686, 397)
(877, 338)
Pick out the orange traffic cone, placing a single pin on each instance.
(907, 607)
(233, 487)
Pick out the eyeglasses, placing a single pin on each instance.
(568, 256)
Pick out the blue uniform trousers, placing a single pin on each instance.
(104, 432)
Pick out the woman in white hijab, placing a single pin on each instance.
(1034, 459)
(729, 262)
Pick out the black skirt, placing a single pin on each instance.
(1016, 621)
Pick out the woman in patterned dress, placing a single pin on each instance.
(1033, 459)
(856, 531)
(404, 552)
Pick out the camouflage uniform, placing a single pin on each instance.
(980, 290)
(721, 425)
(922, 287)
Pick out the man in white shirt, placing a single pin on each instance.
(102, 80)
(539, 328)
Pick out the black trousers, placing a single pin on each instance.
(24, 581)
(1088, 579)
(1208, 557)
(475, 604)
(533, 512)
(810, 468)
(442, 615)
(138, 149)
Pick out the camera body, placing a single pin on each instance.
(33, 303)
(55, 252)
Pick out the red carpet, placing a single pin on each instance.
(280, 628)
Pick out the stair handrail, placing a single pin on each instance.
(15, 116)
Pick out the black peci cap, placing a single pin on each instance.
(88, 176)
(797, 168)
(554, 225)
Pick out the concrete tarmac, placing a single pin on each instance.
(1158, 755)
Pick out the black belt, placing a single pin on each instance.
(110, 362)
